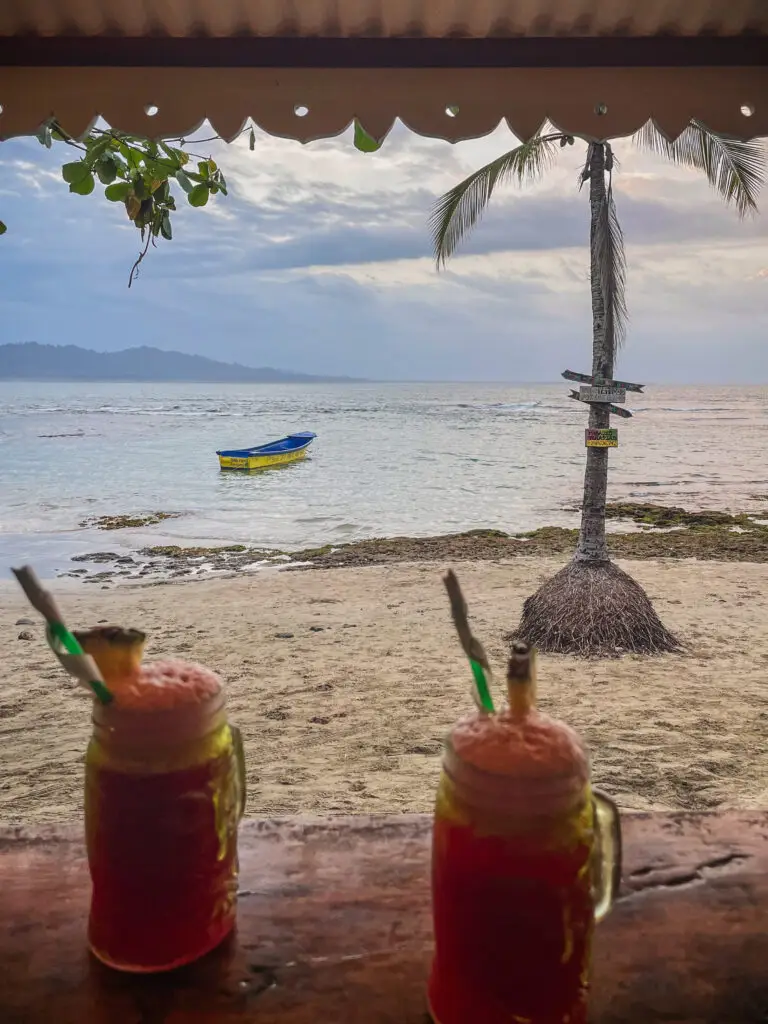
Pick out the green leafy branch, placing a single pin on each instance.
(137, 172)
(140, 172)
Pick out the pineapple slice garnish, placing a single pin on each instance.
(116, 651)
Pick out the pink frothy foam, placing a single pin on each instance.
(529, 746)
(166, 684)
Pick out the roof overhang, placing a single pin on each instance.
(305, 69)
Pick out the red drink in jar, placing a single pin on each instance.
(525, 858)
(164, 794)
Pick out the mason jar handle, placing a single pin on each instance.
(237, 747)
(606, 854)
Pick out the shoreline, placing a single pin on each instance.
(141, 554)
(344, 683)
(658, 532)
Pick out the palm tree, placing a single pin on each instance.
(591, 606)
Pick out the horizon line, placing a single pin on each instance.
(342, 379)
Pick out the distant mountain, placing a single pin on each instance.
(30, 361)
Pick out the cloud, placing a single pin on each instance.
(320, 260)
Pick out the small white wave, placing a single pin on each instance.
(683, 408)
(514, 406)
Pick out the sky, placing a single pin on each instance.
(319, 261)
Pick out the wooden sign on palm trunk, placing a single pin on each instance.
(614, 410)
(586, 378)
(602, 393)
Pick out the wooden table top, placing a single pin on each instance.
(334, 927)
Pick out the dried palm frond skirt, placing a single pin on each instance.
(593, 609)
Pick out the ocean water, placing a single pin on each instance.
(390, 459)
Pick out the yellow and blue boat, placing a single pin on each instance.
(276, 453)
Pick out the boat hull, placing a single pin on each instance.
(276, 453)
(261, 461)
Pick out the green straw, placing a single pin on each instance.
(478, 659)
(57, 634)
(483, 692)
(63, 644)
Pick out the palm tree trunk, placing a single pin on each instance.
(592, 546)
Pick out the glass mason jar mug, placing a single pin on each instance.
(526, 858)
(165, 790)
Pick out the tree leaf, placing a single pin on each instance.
(734, 168)
(456, 213)
(133, 154)
(173, 155)
(119, 191)
(184, 181)
(74, 172)
(139, 187)
(146, 213)
(120, 164)
(198, 196)
(96, 149)
(83, 187)
(363, 141)
(44, 136)
(610, 259)
(165, 226)
(132, 206)
(3, 228)
(204, 168)
(159, 169)
(106, 169)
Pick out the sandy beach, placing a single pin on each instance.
(344, 682)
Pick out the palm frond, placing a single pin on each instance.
(584, 172)
(456, 213)
(735, 169)
(610, 258)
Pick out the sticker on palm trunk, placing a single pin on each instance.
(605, 438)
